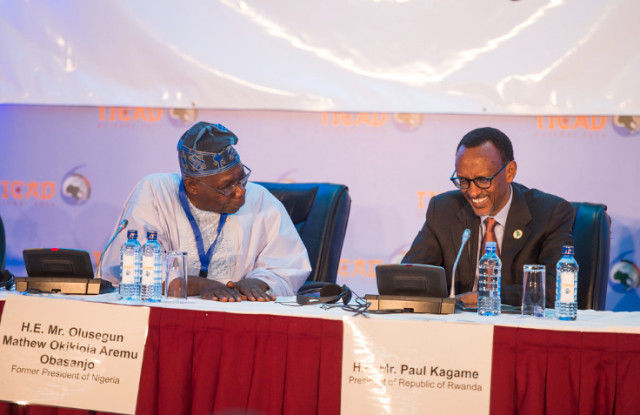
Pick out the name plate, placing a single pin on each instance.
(71, 353)
(392, 366)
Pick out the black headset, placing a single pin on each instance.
(322, 292)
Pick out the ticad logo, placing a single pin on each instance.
(580, 126)
(75, 189)
(19, 192)
(624, 275)
(407, 122)
(359, 267)
(366, 267)
(626, 125)
(424, 197)
(129, 114)
(336, 119)
(183, 117)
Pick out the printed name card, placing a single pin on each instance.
(70, 353)
(415, 367)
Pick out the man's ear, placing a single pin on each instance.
(512, 168)
(190, 185)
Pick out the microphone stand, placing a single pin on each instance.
(120, 228)
(465, 238)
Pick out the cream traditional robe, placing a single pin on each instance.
(258, 241)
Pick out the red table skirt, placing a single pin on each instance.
(561, 372)
(198, 362)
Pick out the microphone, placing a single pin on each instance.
(123, 224)
(465, 237)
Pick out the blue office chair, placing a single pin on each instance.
(3, 246)
(320, 213)
(592, 240)
(6, 277)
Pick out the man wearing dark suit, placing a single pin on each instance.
(532, 226)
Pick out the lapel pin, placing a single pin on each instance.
(517, 234)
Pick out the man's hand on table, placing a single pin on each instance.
(246, 289)
(217, 291)
(253, 289)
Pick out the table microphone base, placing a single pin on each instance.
(408, 304)
(62, 285)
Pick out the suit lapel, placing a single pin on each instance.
(516, 233)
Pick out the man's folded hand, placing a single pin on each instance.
(247, 289)
(217, 291)
(253, 289)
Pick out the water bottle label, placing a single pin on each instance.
(567, 287)
(128, 269)
(147, 270)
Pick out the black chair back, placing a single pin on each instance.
(320, 212)
(592, 239)
(3, 246)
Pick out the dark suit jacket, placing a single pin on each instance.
(545, 222)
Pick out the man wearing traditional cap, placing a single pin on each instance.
(240, 240)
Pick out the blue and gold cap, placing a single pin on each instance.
(207, 149)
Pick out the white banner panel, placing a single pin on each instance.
(71, 353)
(415, 367)
(567, 57)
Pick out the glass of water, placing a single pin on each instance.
(175, 287)
(533, 291)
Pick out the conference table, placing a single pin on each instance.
(204, 357)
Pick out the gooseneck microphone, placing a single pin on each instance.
(465, 237)
(123, 224)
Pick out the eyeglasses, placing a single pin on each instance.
(229, 189)
(480, 182)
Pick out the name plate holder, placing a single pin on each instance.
(415, 366)
(70, 353)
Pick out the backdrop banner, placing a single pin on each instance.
(65, 172)
(567, 57)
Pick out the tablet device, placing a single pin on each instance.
(416, 280)
(57, 262)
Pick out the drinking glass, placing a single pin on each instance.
(533, 291)
(175, 286)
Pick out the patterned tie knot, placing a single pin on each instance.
(491, 223)
(490, 235)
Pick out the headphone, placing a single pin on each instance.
(323, 292)
(6, 279)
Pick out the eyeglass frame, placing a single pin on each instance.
(490, 179)
(229, 189)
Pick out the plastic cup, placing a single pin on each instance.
(533, 291)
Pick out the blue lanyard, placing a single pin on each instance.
(205, 258)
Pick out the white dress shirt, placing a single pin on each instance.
(501, 221)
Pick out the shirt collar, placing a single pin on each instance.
(501, 217)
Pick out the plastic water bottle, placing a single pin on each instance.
(566, 307)
(489, 282)
(151, 289)
(130, 267)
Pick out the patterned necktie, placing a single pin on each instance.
(490, 235)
